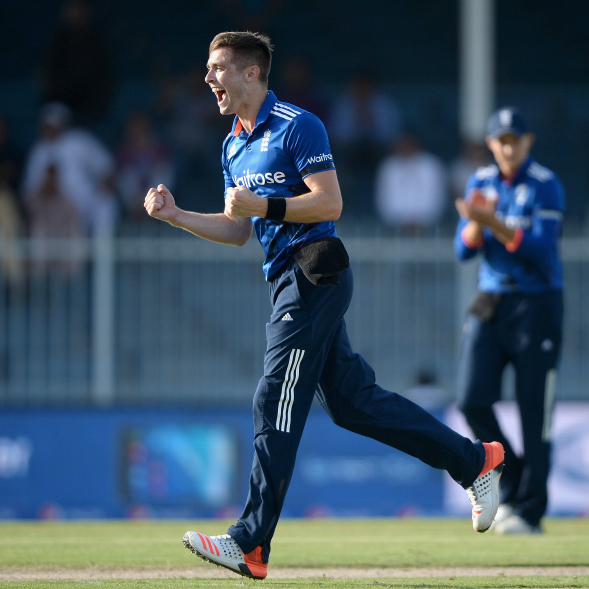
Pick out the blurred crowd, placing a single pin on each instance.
(72, 183)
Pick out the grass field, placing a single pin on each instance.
(358, 553)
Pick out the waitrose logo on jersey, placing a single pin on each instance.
(255, 179)
(317, 159)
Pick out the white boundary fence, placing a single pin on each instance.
(182, 320)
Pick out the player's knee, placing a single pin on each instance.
(259, 402)
(266, 406)
(338, 416)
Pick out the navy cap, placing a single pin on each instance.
(507, 120)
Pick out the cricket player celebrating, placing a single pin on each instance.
(280, 181)
(512, 217)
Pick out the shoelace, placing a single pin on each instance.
(226, 537)
(472, 496)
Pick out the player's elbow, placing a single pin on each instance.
(326, 210)
(241, 242)
(338, 211)
(240, 231)
(243, 237)
(335, 208)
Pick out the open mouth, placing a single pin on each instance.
(220, 93)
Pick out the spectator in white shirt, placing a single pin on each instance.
(84, 168)
(411, 187)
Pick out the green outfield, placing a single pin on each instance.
(125, 553)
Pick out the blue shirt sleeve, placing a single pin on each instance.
(308, 145)
(546, 223)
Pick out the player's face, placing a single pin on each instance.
(225, 80)
(510, 151)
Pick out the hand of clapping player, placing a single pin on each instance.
(477, 207)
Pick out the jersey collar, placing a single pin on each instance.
(521, 172)
(261, 117)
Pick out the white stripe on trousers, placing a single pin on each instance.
(287, 396)
(320, 394)
(549, 393)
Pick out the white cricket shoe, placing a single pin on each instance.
(484, 492)
(224, 551)
(506, 510)
(516, 524)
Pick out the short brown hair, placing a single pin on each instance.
(249, 48)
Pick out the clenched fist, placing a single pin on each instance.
(159, 203)
(242, 202)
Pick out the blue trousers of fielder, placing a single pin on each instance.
(526, 331)
(309, 351)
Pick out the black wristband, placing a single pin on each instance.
(276, 208)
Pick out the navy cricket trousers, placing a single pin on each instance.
(526, 331)
(309, 352)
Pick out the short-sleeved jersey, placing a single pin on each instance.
(286, 145)
(533, 203)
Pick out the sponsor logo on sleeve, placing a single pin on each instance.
(317, 159)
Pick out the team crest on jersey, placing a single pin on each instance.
(490, 193)
(521, 194)
(265, 141)
(232, 151)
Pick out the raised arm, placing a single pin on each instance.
(220, 227)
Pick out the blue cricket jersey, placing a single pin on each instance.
(533, 203)
(286, 145)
